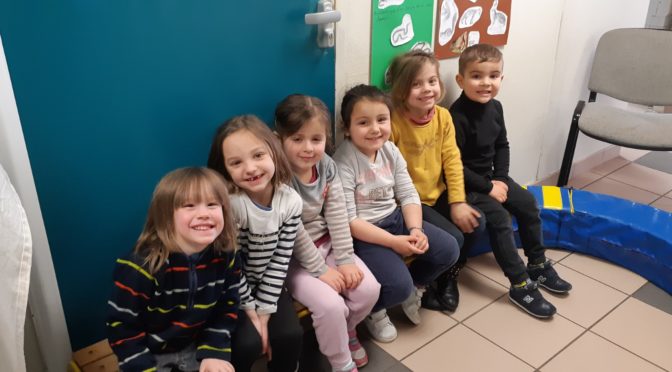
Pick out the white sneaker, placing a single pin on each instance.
(380, 327)
(411, 305)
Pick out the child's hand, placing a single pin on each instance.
(421, 242)
(265, 346)
(405, 245)
(464, 216)
(215, 365)
(499, 191)
(334, 279)
(351, 274)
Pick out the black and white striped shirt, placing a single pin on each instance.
(266, 241)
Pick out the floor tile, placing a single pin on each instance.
(412, 337)
(505, 324)
(610, 274)
(612, 187)
(487, 265)
(669, 194)
(664, 203)
(593, 353)
(553, 254)
(644, 178)
(640, 328)
(610, 166)
(461, 349)
(476, 291)
(379, 359)
(632, 154)
(587, 302)
(582, 180)
(399, 367)
(659, 160)
(650, 294)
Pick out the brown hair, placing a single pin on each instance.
(194, 184)
(358, 93)
(254, 125)
(478, 53)
(295, 110)
(404, 70)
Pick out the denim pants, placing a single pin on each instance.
(184, 360)
(396, 279)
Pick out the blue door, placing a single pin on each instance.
(114, 94)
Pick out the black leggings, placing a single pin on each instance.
(285, 336)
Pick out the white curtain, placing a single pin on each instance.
(15, 263)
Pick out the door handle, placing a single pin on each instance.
(325, 18)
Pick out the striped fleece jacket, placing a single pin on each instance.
(191, 299)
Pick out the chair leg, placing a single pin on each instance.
(573, 136)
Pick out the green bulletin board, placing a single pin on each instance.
(398, 26)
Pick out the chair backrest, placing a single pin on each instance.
(634, 65)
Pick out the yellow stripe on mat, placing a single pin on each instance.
(552, 197)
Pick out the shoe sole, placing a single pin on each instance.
(553, 290)
(529, 312)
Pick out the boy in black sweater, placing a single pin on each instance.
(481, 137)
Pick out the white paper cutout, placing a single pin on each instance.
(422, 45)
(403, 33)
(470, 16)
(474, 38)
(447, 22)
(382, 4)
(497, 20)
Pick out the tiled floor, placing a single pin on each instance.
(613, 320)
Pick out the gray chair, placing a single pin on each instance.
(632, 65)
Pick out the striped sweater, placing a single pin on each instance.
(266, 241)
(191, 299)
(324, 212)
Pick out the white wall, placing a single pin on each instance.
(546, 61)
(44, 298)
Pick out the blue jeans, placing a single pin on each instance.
(184, 360)
(396, 279)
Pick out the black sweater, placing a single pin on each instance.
(481, 136)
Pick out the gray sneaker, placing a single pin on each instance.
(411, 305)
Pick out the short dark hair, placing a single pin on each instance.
(478, 53)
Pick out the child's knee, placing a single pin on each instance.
(396, 290)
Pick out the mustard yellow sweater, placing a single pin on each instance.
(429, 150)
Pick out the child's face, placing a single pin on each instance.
(305, 148)
(425, 91)
(250, 163)
(481, 81)
(197, 225)
(369, 126)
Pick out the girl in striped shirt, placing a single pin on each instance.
(268, 213)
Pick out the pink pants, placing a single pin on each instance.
(333, 314)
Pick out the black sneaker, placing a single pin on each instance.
(549, 279)
(530, 299)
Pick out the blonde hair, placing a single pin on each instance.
(194, 184)
(254, 125)
(478, 53)
(404, 70)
